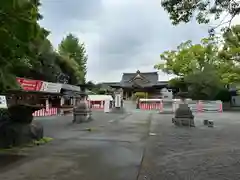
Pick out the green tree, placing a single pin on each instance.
(44, 64)
(183, 10)
(179, 83)
(204, 84)
(70, 68)
(71, 48)
(17, 30)
(91, 86)
(198, 67)
(25, 50)
(189, 58)
(230, 53)
(231, 40)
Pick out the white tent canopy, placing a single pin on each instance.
(99, 97)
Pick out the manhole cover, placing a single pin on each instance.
(8, 159)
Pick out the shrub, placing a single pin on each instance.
(224, 95)
(4, 115)
(140, 95)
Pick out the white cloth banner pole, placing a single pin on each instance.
(118, 100)
(106, 106)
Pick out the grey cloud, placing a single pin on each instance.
(67, 10)
(139, 29)
(127, 36)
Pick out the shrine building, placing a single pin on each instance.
(146, 82)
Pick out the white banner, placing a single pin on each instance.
(51, 87)
(118, 100)
(3, 102)
(106, 106)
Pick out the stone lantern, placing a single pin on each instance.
(183, 114)
(82, 111)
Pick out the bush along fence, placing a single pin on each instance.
(171, 105)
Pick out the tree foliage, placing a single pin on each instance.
(25, 50)
(204, 68)
(75, 52)
(17, 17)
(184, 10)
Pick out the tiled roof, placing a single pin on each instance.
(146, 79)
(150, 76)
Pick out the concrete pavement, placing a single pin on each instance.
(138, 145)
(113, 150)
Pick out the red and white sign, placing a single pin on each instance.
(38, 85)
(29, 84)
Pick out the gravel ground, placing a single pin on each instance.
(200, 153)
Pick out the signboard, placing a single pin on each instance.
(3, 102)
(37, 85)
(29, 84)
(70, 87)
(51, 87)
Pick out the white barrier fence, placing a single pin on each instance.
(171, 105)
(211, 106)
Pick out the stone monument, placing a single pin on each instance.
(183, 116)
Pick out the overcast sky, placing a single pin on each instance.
(120, 35)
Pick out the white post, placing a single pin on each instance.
(106, 106)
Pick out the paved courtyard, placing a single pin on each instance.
(137, 145)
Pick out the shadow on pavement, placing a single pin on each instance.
(8, 159)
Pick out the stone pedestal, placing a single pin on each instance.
(183, 116)
(81, 113)
(17, 127)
